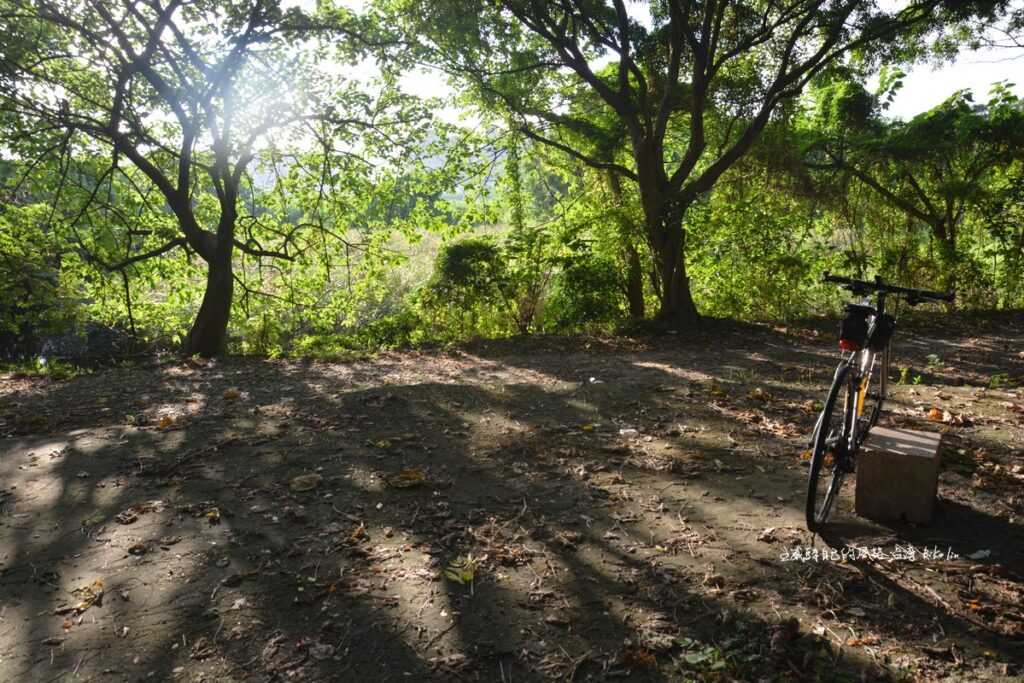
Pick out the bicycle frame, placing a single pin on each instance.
(862, 367)
(860, 359)
(862, 371)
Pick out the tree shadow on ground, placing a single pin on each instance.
(602, 554)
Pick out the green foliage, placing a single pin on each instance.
(586, 294)
(760, 251)
(469, 292)
(371, 224)
(842, 103)
(37, 297)
(41, 367)
(470, 269)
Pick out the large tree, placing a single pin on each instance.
(675, 64)
(179, 96)
(936, 168)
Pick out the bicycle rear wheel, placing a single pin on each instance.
(829, 448)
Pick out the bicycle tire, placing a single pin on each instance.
(817, 514)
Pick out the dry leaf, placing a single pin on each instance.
(87, 597)
(866, 640)
(407, 478)
(231, 393)
(305, 482)
(358, 534)
(165, 422)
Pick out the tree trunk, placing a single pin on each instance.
(663, 215)
(949, 258)
(668, 242)
(634, 282)
(209, 331)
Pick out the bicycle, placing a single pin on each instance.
(864, 340)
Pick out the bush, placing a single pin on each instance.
(470, 269)
(34, 301)
(468, 292)
(587, 293)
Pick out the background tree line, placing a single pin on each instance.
(226, 175)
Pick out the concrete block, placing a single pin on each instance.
(898, 475)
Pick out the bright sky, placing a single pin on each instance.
(925, 86)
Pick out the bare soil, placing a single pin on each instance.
(539, 509)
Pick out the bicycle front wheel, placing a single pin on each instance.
(829, 448)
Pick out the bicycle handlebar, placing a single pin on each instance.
(913, 295)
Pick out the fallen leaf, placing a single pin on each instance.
(463, 569)
(305, 482)
(406, 478)
(165, 422)
(231, 393)
(87, 597)
(714, 580)
(129, 516)
(866, 640)
(358, 534)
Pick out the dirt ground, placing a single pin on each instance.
(547, 509)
